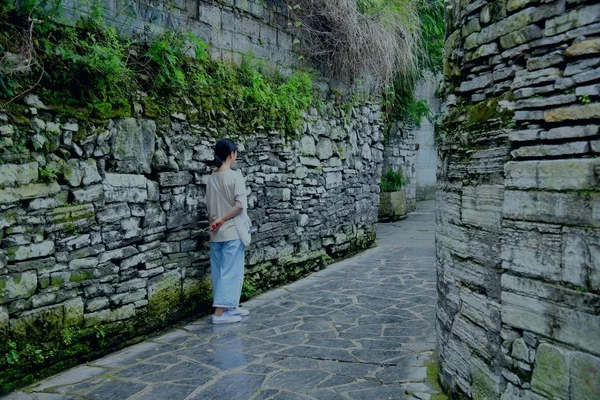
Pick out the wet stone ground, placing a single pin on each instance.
(361, 329)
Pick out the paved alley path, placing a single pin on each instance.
(361, 329)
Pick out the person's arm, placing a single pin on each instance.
(235, 210)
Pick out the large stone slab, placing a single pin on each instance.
(552, 207)
(33, 250)
(552, 320)
(28, 192)
(482, 206)
(574, 174)
(18, 174)
(551, 372)
(132, 143)
(125, 188)
(17, 286)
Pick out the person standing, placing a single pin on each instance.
(226, 199)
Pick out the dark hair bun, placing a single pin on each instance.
(223, 149)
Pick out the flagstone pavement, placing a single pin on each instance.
(361, 329)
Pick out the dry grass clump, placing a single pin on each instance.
(359, 39)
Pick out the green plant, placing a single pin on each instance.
(248, 290)
(34, 354)
(48, 173)
(12, 356)
(585, 99)
(392, 181)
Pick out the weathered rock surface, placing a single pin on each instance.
(518, 237)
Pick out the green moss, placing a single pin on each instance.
(81, 275)
(433, 378)
(466, 121)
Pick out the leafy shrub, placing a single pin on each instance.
(392, 181)
(90, 72)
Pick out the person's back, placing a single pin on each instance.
(232, 186)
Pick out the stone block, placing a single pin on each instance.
(81, 263)
(17, 286)
(521, 36)
(545, 61)
(28, 192)
(77, 172)
(324, 149)
(524, 135)
(18, 174)
(532, 249)
(520, 351)
(165, 292)
(479, 82)
(591, 90)
(117, 254)
(482, 206)
(581, 257)
(34, 250)
(551, 372)
(584, 48)
(113, 213)
(132, 144)
(560, 208)
(125, 188)
(70, 218)
(572, 174)
(547, 318)
(483, 51)
(546, 102)
(576, 18)
(182, 178)
(86, 252)
(530, 78)
(585, 379)
(480, 309)
(38, 323)
(573, 113)
(333, 179)
(89, 194)
(581, 66)
(569, 132)
(551, 150)
(307, 146)
(104, 316)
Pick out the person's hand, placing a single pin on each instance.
(216, 225)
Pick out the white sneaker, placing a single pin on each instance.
(242, 312)
(226, 318)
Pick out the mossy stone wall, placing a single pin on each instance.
(518, 192)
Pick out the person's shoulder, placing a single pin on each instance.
(238, 173)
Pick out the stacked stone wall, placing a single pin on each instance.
(234, 28)
(518, 200)
(401, 156)
(119, 237)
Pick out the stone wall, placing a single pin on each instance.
(400, 155)
(426, 158)
(518, 236)
(234, 28)
(411, 149)
(117, 240)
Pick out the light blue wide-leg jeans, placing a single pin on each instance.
(227, 272)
